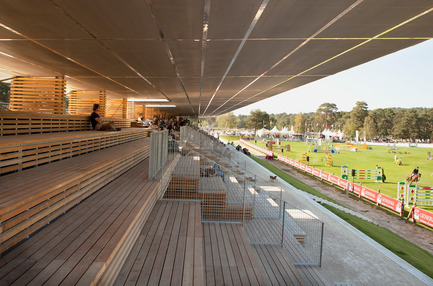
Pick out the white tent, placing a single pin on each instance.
(275, 131)
(285, 131)
(262, 131)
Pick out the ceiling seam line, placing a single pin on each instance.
(107, 48)
(206, 14)
(167, 48)
(335, 19)
(241, 45)
(27, 62)
(224, 40)
(61, 55)
(342, 53)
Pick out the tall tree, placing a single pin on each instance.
(384, 119)
(257, 119)
(349, 129)
(358, 114)
(326, 114)
(426, 124)
(407, 124)
(240, 121)
(227, 120)
(300, 121)
(370, 128)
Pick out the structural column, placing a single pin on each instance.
(38, 95)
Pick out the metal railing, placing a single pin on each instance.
(158, 152)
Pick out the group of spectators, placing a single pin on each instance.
(172, 124)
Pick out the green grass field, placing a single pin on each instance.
(367, 159)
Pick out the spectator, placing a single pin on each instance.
(216, 171)
(97, 123)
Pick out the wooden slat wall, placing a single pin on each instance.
(131, 110)
(148, 112)
(81, 102)
(40, 95)
(140, 109)
(117, 108)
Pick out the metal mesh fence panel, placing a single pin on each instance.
(204, 169)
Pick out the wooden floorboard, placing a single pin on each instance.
(229, 258)
(279, 270)
(168, 251)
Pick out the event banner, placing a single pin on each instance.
(423, 216)
(389, 202)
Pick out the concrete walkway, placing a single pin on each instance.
(349, 256)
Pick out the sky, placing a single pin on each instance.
(402, 79)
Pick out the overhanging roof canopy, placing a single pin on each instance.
(208, 57)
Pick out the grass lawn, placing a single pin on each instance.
(368, 159)
(230, 137)
(291, 180)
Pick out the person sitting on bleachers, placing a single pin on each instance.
(171, 128)
(97, 123)
(156, 125)
(216, 171)
(140, 118)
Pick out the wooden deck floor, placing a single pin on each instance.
(276, 266)
(169, 250)
(78, 247)
(229, 257)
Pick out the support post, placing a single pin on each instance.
(321, 245)
(243, 209)
(282, 229)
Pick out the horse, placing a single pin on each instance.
(413, 178)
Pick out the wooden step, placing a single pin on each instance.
(89, 243)
(32, 198)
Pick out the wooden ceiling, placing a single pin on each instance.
(207, 57)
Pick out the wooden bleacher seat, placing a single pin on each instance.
(213, 191)
(186, 184)
(15, 123)
(186, 175)
(32, 198)
(24, 151)
(169, 250)
(88, 245)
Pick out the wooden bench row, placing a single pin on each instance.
(89, 244)
(32, 198)
(21, 152)
(14, 123)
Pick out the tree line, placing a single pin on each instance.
(381, 123)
